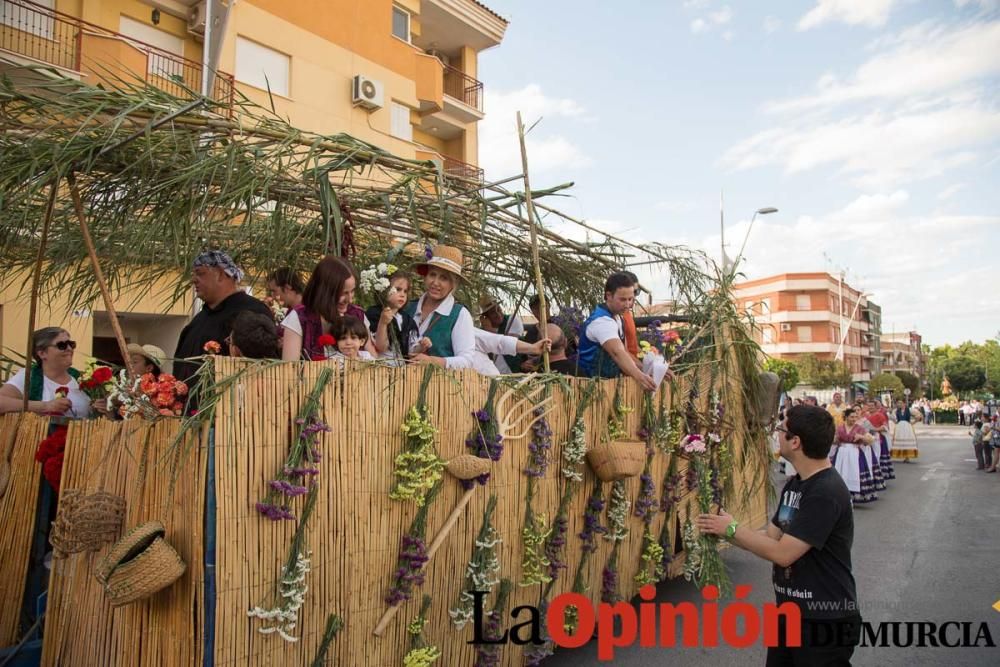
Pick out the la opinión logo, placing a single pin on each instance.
(653, 625)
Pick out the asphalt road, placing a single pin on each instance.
(928, 550)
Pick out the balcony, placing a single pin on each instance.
(460, 86)
(36, 34)
(462, 170)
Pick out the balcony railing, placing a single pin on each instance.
(463, 88)
(459, 169)
(49, 36)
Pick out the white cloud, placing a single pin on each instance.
(984, 5)
(712, 20)
(499, 151)
(951, 191)
(728, 35)
(922, 60)
(772, 24)
(878, 149)
(915, 280)
(870, 13)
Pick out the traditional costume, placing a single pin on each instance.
(852, 461)
(904, 440)
(880, 424)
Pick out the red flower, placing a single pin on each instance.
(101, 375)
(326, 340)
(318, 357)
(62, 392)
(167, 378)
(164, 399)
(212, 347)
(180, 388)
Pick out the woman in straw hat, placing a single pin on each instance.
(447, 332)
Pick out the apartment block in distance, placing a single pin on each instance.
(812, 313)
(401, 75)
(902, 351)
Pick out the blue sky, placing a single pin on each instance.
(872, 125)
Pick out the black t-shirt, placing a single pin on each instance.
(564, 366)
(818, 511)
(212, 324)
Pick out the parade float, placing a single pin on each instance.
(318, 513)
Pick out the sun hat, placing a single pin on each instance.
(486, 304)
(152, 353)
(444, 257)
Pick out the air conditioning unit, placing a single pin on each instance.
(367, 93)
(197, 18)
(786, 326)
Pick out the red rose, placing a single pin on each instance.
(62, 392)
(326, 340)
(101, 375)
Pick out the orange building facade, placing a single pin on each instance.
(814, 313)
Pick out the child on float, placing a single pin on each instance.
(394, 330)
(352, 338)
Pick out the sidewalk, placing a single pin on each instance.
(941, 431)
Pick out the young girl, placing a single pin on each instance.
(352, 337)
(394, 330)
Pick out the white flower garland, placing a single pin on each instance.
(618, 508)
(291, 593)
(574, 451)
(482, 572)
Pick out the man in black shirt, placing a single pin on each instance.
(809, 541)
(557, 356)
(216, 282)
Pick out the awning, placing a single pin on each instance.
(863, 386)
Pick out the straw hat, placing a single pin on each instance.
(152, 353)
(486, 304)
(443, 257)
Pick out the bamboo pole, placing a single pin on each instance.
(98, 273)
(532, 225)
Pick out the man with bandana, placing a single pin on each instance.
(216, 281)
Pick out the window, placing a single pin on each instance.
(30, 20)
(768, 335)
(262, 67)
(158, 61)
(805, 334)
(401, 23)
(803, 302)
(401, 127)
(748, 307)
(765, 306)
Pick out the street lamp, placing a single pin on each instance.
(767, 210)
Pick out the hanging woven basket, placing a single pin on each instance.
(467, 466)
(139, 565)
(619, 459)
(86, 522)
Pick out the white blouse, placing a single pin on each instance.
(80, 401)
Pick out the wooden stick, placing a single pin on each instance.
(439, 539)
(98, 273)
(533, 225)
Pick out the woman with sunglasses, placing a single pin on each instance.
(52, 385)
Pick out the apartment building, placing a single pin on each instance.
(400, 74)
(812, 313)
(902, 351)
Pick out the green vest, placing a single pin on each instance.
(439, 330)
(36, 381)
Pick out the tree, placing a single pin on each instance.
(911, 382)
(886, 382)
(964, 373)
(824, 373)
(787, 370)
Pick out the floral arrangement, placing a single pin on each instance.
(374, 281)
(588, 537)
(148, 395)
(693, 552)
(654, 339)
(298, 474)
(533, 653)
(534, 562)
(707, 567)
(482, 568)
(212, 347)
(278, 312)
(616, 420)
(283, 615)
(327, 345)
(97, 380)
(418, 467)
(575, 451)
(488, 654)
(570, 320)
(412, 555)
(618, 508)
(421, 654)
(485, 440)
(651, 568)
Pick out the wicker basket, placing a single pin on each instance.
(467, 466)
(152, 569)
(86, 522)
(616, 460)
(126, 548)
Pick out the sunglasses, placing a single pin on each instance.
(784, 430)
(63, 345)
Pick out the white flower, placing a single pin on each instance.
(382, 268)
(287, 637)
